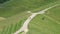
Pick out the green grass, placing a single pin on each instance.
(54, 13)
(50, 25)
(47, 26)
(12, 28)
(16, 10)
(13, 7)
(12, 20)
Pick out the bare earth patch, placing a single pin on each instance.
(2, 18)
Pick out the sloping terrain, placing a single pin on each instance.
(49, 25)
(16, 10)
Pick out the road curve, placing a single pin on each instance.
(25, 25)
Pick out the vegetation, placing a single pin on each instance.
(12, 28)
(50, 25)
(16, 10)
(2, 1)
(17, 6)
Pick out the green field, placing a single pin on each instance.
(50, 25)
(15, 12)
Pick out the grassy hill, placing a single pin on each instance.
(50, 24)
(16, 10)
(16, 6)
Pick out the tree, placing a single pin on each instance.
(2, 1)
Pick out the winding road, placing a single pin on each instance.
(25, 25)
